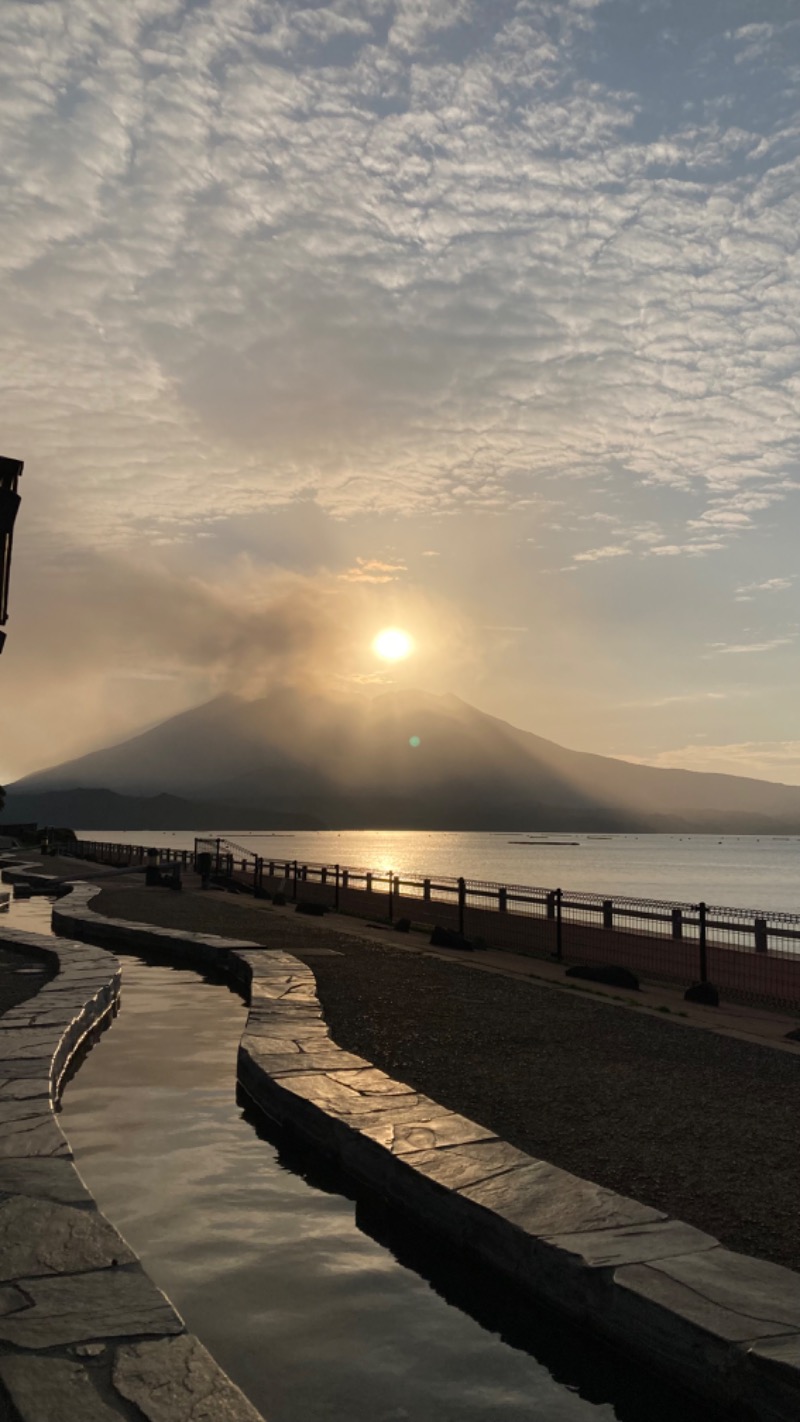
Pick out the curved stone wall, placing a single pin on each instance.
(726, 1326)
(83, 1330)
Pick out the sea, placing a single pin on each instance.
(737, 871)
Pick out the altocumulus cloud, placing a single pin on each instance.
(395, 259)
(397, 256)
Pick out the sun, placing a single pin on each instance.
(393, 644)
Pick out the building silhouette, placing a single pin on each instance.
(10, 471)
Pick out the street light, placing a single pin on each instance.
(10, 471)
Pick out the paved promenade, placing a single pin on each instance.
(699, 1125)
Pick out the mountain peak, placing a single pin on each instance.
(405, 757)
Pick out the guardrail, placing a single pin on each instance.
(751, 954)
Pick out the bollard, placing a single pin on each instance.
(760, 929)
(557, 910)
(502, 900)
(677, 923)
(608, 913)
(294, 880)
(701, 909)
(391, 887)
(462, 903)
(369, 883)
(336, 887)
(426, 890)
(551, 902)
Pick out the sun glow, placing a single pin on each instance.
(393, 644)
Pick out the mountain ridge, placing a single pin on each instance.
(402, 759)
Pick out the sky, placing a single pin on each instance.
(478, 318)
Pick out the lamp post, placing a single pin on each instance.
(10, 471)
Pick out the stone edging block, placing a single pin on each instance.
(83, 1331)
(722, 1324)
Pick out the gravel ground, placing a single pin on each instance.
(700, 1126)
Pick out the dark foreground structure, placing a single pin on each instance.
(10, 472)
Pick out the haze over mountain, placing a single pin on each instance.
(405, 759)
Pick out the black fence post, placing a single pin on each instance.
(502, 899)
(760, 930)
(559, 941)
(336, 887)
(462, 903)
(294, 881)
(391, 895)
(701, 910)
(608, 913)
(677, 923)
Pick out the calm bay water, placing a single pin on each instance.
(743, 871)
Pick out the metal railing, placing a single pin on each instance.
(752, 954)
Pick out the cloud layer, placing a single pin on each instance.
(397, 254)
(534, 259)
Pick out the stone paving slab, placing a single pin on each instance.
(543, 1200)
(54, 1390)
(35, 1133)
(24, 1068)
(425, 1131)
(339, 1100)
(176, 1380)
(44, 1179)
(279, 1064)
(465, 1165)
(40, 1237)
(78, 1308)
(725, 1294)
(633, 1244)
(21, 1043)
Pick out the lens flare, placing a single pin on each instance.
(392, 644)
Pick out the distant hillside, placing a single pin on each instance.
(107, 810)
(404, 760)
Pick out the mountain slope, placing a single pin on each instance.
(407, 758)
